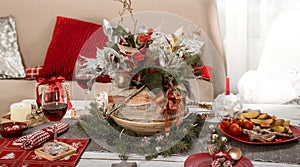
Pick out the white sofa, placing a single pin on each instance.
(35, 20)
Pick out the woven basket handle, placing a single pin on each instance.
(108, 113)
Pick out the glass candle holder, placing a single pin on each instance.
(227, 105)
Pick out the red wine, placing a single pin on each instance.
(82, 82)
(39, 100)
(55, 111)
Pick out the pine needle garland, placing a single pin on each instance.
(126, 141)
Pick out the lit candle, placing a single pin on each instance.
(227, 84)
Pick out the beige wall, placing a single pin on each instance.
(35, 19)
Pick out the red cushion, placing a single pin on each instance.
(32, 72)
(70, 38)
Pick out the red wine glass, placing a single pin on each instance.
(54, 107)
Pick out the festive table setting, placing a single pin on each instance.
(211, 135)
(153, 114)
(94, 154)
(260, 155)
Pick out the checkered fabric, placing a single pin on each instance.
(37, 138)
(227, 163)
(216, 163)
(32, 72)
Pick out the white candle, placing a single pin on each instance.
(19, 111)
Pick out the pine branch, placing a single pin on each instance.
(180, 139)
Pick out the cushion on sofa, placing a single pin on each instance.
(71, 37)
(10, 57)
(33, 72)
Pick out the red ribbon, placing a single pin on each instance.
(205, 72)
(53, 83)
(55, 80)
(169, 104)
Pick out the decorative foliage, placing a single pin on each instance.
(151, 59)
(218, 143)
(222, 154)
(143, 54)
(126, 141)
(126, 6)
(163, 63)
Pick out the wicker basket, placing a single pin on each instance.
(142, 118)
(138, 110)
(142, 127)
(140, 113)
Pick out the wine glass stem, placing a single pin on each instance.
(55, 132)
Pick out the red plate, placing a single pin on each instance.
(244, 138)
(204, 159)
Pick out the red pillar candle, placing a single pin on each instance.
(227, 84)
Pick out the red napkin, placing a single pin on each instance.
(35, 139)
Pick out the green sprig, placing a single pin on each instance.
(179, 141)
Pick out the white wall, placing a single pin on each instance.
(244, 25)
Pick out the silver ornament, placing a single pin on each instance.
(224, 139)
(142, 29)
(214, 136)
(122, 80)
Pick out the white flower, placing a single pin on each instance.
(159, 138)
(146, 140)
(211, 126)
(158, 149)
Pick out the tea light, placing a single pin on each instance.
(19, 111)
(227, 104)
